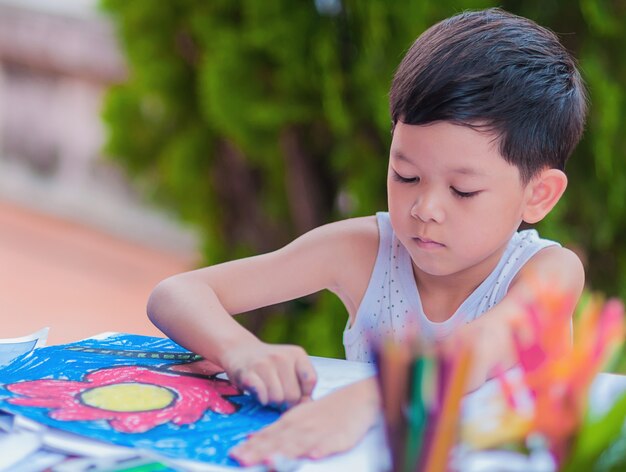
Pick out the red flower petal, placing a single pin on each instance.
(47, 388)
(81, 413)
(195, 395)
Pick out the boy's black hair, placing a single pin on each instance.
(495, 71)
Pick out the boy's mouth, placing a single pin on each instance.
(425, 243)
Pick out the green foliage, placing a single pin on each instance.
(599, 443)
(257, 121)
(591, 217)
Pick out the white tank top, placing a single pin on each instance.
(392, 304)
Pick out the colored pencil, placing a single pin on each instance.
(417, 414)
(421, 394)
(447, 422)
(393, 362)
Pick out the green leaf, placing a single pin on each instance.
(596, 435)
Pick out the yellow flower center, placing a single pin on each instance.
(127, 397)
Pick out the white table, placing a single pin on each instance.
(369, 455)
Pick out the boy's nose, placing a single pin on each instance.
(426, 208)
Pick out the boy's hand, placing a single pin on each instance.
(315, 429)
(276, 374)
(490, 341)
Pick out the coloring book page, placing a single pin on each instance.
(136, 391)
(13, 347)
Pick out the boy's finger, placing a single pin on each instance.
(272, 381)
(307, 377)
(259, 447)
(305, 399)
(291, 385)
(253, 384)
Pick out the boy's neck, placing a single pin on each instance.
(440, 303)
(441, 296)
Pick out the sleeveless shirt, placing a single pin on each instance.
(391, 304)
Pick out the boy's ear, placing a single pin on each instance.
(543, 192)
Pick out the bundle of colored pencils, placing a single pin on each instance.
(421, 394)
(558, 371)
(549, 398)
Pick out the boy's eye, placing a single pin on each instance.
(460, 194)
(405, 180)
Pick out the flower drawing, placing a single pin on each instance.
(133, 399)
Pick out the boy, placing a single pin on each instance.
(486, 108)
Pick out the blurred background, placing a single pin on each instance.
(80, 249)
(140, 139)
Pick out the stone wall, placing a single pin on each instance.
(56, 60)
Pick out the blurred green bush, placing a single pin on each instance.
(257, 121)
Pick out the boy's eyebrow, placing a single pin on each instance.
(467, 171)
(400, 156)
(457, 170)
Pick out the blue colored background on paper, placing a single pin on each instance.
(208, 440)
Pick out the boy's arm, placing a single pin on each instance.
(194, 308)
(491, 334)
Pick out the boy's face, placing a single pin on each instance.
(454, 201)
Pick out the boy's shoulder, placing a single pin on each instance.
(352, 241)
(558, 265)
(343, 242)
(359, 231)
(353, 245)
(363, 226)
